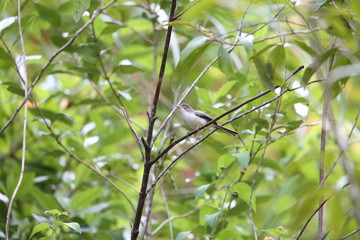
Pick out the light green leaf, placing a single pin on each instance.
(284, 203)
(212, 219)
(52, 211)
(39, 228)
(80, 7)
(228, 234)
(225, 161)
(243, 190)
(200, 191)
(243, 158)
(277, 62)
(224, 90)
(83, 199)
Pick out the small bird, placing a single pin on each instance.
(196, 119)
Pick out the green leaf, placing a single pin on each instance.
(38, 228)
(277, 62)
(265, 71)
(189, 56)
(225, 161)
(284, 203)
(243, 190)
(73, 225)
(4, 55)
(243, 158)
(204, 96)
(212, 219)
(80, 7)
(46, 200)
(311, 69)
(306, 48)
(224, 90)
(225, 63)
(128, 68)
(48, 14)
(228, 234)
(182, 235)
(201, 190)
(83, 199)
(52, 212)
(180, 23)
(16, 89)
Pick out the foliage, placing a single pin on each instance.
(94, 69)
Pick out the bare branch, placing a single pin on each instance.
(23, 73)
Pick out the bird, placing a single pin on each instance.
(195, 119)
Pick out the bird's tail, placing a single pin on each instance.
(234, 133)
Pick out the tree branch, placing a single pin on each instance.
(22, 66)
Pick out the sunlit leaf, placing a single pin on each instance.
(73, 225)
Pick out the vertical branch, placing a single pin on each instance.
(323, 145)
(152, 118)
(22, 67)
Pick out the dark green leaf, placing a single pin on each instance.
(4, 55)
(48, 14)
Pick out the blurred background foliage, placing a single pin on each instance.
(114, 63)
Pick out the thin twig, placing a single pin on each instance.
(23, 152)
(48, 63)
(350, 234)
(161, 225)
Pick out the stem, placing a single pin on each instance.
(152, 118)
(23, 157)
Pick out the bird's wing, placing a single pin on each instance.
(203, 116)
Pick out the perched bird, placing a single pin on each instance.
(196, 119)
